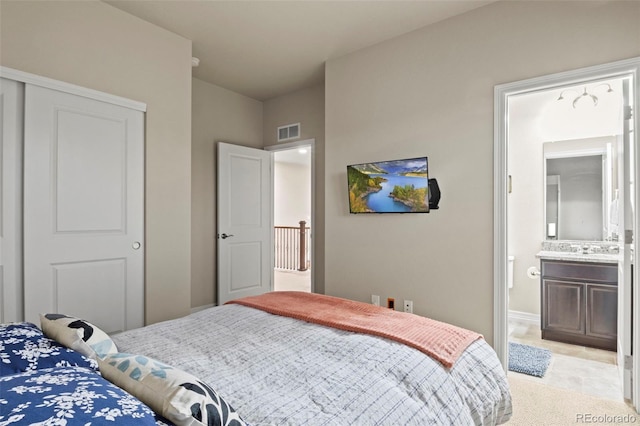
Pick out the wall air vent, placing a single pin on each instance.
(288, 132)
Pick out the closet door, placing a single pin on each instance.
(83, 209)
(11, 116)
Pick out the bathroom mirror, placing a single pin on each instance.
(580, 190)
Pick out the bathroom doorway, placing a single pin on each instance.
(552, 116)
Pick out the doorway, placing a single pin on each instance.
(583, 82)
(292, 216)
(567, 156)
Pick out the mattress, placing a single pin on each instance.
(277, 370)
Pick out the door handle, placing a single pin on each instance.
(136, 245)
(225, 236)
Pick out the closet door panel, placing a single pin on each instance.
(89, 150)
(83, 200)
(108, 278)
(11, 123)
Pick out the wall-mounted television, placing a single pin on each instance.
(396, 186)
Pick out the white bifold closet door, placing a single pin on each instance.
(83, 209)
(11, 127)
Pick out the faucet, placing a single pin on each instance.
(583, 249)
(589, 249)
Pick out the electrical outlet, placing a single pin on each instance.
(408, 306)
(375, 299)
(391, 303)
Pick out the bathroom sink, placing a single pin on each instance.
(580, 257)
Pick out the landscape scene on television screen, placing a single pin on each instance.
(399, 186)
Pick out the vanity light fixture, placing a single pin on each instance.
(585, 94)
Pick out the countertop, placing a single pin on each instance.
(580, 257)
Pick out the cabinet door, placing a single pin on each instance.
(563, 306)
(602, 311)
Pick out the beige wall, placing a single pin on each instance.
(430, 92)
(218, 115)
(307, 107)
(94, 45)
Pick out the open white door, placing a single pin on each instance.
(245, 228)
(83, 209)
(627, 231)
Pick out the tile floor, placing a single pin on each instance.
(587, 370)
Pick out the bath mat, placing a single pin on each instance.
(528, 359)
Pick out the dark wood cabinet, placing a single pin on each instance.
(563, 304)
(602, 318)
(579, 303)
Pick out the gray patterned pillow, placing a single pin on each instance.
(77, 334)
(176, 395)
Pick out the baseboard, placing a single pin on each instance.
(524, 317)
(202, 308)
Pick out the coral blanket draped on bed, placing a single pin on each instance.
(444, 342)
(277, 370)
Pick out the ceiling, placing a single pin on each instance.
(573, 115)
(265, 49)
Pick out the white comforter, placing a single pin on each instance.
(281, 371)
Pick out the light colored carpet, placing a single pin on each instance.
(537, 404)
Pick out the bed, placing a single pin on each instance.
(283, 358)
(280, 370)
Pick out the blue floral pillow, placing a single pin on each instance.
(23, 347)
(69, 395)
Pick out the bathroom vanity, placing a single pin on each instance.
(579, 298)
(581, 249)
